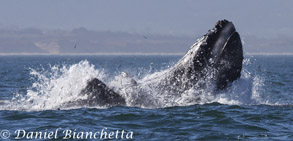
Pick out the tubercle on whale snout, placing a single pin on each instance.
(219, 49)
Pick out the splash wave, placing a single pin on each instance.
(59, 85)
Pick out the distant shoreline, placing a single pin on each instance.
(123, 54)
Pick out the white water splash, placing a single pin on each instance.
(61, 84)
(244, 91)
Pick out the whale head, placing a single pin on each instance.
(220, 50)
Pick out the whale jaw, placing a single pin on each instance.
(229, 65)
(227, 54)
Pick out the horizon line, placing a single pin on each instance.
(122, 54)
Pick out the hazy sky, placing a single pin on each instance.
(263, 18)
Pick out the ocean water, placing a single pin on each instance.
(257, 106)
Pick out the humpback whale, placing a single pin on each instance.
(217, 54)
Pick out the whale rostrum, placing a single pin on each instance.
(218, 54)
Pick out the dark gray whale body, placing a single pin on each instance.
(219, 53)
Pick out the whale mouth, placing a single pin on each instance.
(224, 52)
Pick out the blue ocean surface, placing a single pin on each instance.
(257, 106)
